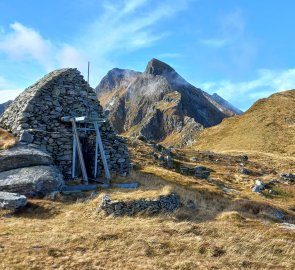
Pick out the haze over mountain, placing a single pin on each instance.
(268, 126)
(159, 104)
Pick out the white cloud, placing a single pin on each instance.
(123, 26)
(266, 83)
(9, 94)
(23, 43)
(69, 56)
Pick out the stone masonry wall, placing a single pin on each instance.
(35, 117)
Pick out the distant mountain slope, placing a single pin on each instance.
(225, 104)
(268, 126)
(158, 104)
(4, 106)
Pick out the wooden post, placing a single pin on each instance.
(74, 156)
(80, 154)
(103, 157)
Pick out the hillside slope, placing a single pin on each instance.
(158, 104)
(268, 126)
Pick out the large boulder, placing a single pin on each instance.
(22, 156)
(12, 201)
(32, 181)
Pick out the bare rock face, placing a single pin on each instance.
(31, 181)
(158, 104)
(12, 201)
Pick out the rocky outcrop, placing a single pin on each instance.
(22, 156)
(31, 181)
(35, 117)
(165, 203)
(12, 201)
(158, 104)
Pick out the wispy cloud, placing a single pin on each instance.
(7, 91)
(266, 83)
(236, 49)
(23, 42)
(122, 27)
(215, 42)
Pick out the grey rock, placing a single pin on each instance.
(191, 204)
(245, 171)
(272, 192)
(202, 172)
(259, 186)
(26, 137)
(12, 201)
(31, 181)
(289, 177)
(278, 214)
(22, 156)
(287, 226)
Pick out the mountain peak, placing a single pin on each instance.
(157, 67)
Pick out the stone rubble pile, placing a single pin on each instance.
(35, 117)
(165, 203)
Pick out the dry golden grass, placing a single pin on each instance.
(54, 235)
(268, 126)
(7, 140)
(226, 231)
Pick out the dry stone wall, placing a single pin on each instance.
(35, 117)
(164, 203)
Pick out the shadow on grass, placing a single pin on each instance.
(37, 210)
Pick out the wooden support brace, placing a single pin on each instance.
(80, 154)
(103, 157)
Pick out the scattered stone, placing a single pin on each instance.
(22, 156)
(31, 181)
(245, 171)
(12, 201)
(202, 172)
(272, 192)
(288, 177)
(259, 186)
(244, 158)
(287, 226)
(193, 159)
(165, 203)
(191, 204)
(277, 214)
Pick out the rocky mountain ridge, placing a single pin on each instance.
(159, 104)
(4, 106)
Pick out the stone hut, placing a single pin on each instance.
(35, 117)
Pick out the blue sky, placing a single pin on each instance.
(241, 49)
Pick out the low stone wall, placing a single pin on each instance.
(164, 203)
